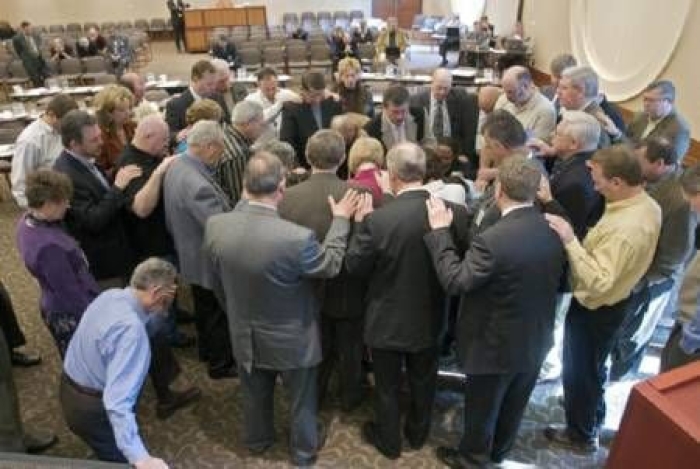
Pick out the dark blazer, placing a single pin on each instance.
(95, 220)
(572, 186)
(673, 127)
(509, 291)
(270, 300)
(463, 110)
(417, 128)
(176, 110)
(306, 204)
(405, 302)
(298, 124)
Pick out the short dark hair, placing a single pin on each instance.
(505, 128)
(396, 95)
(519, 179)
(266, 72)
(201, 68)
(24, 24)
(659, 148)
(560, 63)
(619, 161)
(60, 105)
(690, 180)
(47, 185)
(666, 87)
(325, 149)
(72, 125)
(435, 168)
(313, 81)
(451, 142)
(263, 174)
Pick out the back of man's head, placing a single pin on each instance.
(203, 133)
(660, 149)
(263, 174)
(245, 112)
(619, 161)
(406, 162)
(506, 129)
(325, 150)
(60, 105)
(519, 179)
(201, 68)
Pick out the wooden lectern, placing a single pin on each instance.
(200, 22)
(661, 424)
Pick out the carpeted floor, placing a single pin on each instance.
(207, 434)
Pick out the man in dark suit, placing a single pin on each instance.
(405, 303)
(301, 120)
(272, 305)
(191, 196)
(399, 122)
(452, 112)
(177, 18)
(661, 119)
(202, 85)
(507, 311)
(26, 46)
(342, 308)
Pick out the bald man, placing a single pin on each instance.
(451, 111)
(522, 99)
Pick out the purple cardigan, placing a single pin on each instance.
(56, 261)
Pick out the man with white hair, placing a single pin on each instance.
(578, 91)
(226, 85)
(191, 195)
(247, 123)
(522, 99)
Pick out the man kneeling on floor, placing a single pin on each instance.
(107, 361)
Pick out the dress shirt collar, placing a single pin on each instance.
(256, 203)
(515, 207)
(199, 163)
(194, 94)
(623, 204)
(86, 160)
(411, 189)
(45, 127)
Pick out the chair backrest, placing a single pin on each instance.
(88, 25)
(250, 56)
(16, 69)
(3, 68)
(273, 55)
(297, 52)
(308, 15)
(9, 135)
(141, 24)
(290, 18)
(357, 14)
(340, 14)
(366, 50)
(326, 15)
(95, 64)
(156, 96)
(71, 66)
(125, 24)
(108, 26)
(105, 79)
(157, 24)
(319, 52)
(74, 27)
(56, 28)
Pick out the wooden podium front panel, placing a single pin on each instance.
(661, 424)
(257, 16)
(194, 18)
(197, 40)
(225, 17)
(199, 23)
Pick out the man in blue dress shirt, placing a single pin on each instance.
(107, 361)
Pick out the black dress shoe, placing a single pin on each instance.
(24, 359)
(37, 441)
(452, 458)
(561, 436)
(224, 372)
(178, 399)
(369, 435)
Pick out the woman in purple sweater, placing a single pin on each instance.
(53, 257)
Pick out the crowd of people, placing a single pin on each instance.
(318, 234)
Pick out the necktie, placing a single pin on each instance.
(439, 119)
(96, 172)
(32, 45)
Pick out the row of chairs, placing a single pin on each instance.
(90, 70)
(310, 16)
(142, 24)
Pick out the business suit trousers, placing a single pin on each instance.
(258, 387)
(421, 373)
(212, 329)
(87, 418)
(8, 320)
(11, 432)
(494, 405)
(673, 356)
(589, 336)
(164, 367)
(342, 348)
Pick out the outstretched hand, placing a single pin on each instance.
(560, 227)
(439, 215)
(346, 207)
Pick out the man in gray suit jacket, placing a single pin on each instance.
(271, 302)
(660, 119)
(191, 196)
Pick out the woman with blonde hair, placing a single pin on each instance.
(354, 96)
(113, 107)
(365, 163)
(200, 110)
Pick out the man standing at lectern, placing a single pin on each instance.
(177, 18)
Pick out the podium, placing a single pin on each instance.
(200, 22)
(661, 424)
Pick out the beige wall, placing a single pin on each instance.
(547, 21)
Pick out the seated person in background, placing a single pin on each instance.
(299, 33)
(92, 45)
(119, 52)
(362, 34)
(451, 41)
(224, 49)
(516, 47)
(59, 50)
(202, 110)
(365, 163)
(354, 96)
(340, 45)
(391, 43)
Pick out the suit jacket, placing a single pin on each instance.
(94, 219)
(509, 292)
(176, 109)
(463, 109)
(673, 127)
(417, 129)
(298, 124)
(191, 196)
(405, 302)
(270, 300)
(307, 205)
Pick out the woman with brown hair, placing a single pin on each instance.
(354, 96)
(113, 111)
